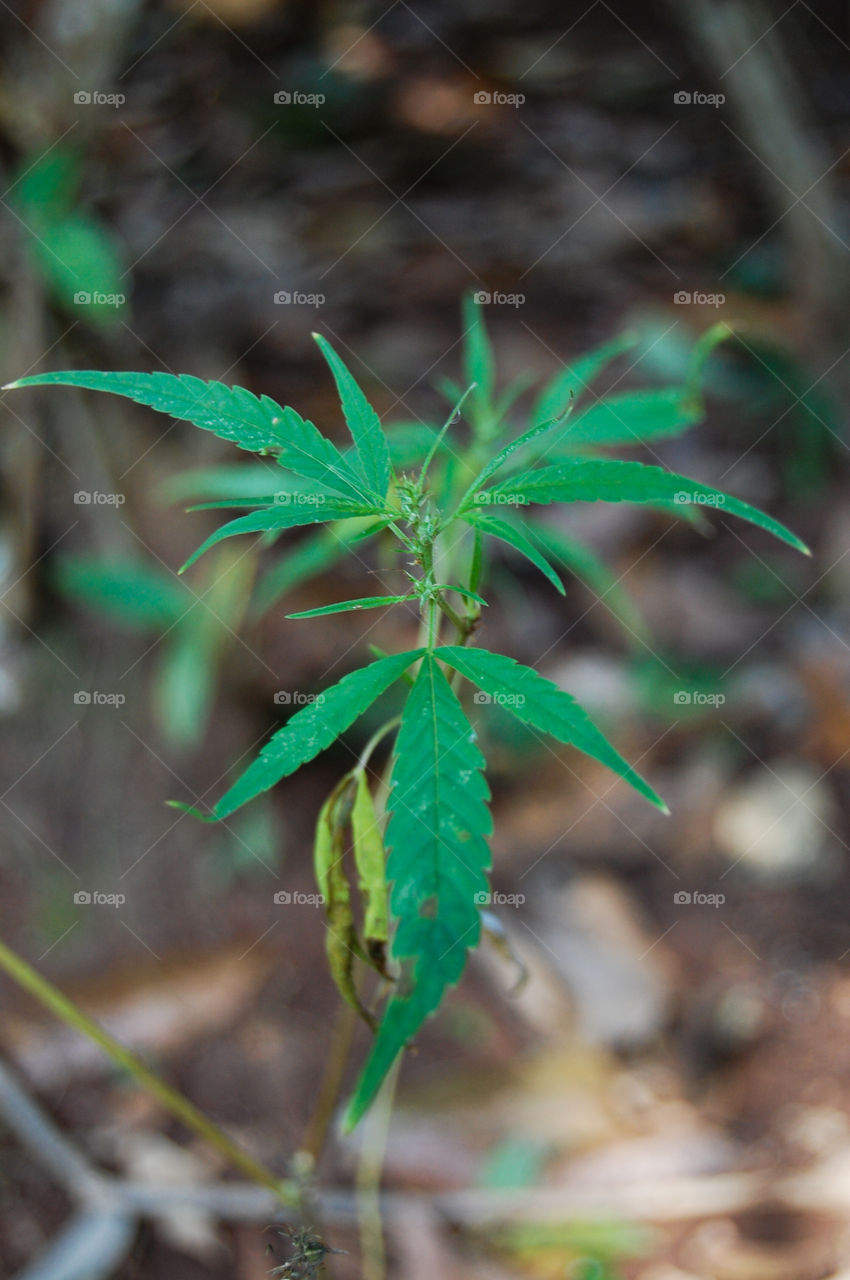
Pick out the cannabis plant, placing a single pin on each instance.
(444, 501)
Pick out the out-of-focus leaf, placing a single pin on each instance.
(130, 591)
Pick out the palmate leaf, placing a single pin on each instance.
(363, 422)
(311, 730)
(540, 703)
(513, 446)
(612, 480)
(515, 538)
(232, 413)
(576, 378)
(438, 857)
(632, 418)
(284, 516)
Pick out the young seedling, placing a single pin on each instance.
(461, 490)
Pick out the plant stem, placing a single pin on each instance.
(368, 1180)
(65, 1009)
(317, 1129)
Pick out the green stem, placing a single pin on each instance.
(64, 1009)
(366, 753)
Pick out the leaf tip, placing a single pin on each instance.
(10, 386)
(190, 809)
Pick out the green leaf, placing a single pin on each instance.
(188, 677)
(409, 442)
(346, 606)
(572, 381)
(540, 703)
(479, 365)
(341, 943)
(612, 480)
(577, 558)
(81, 264)
(490, 468)
(370, 860)
(311, 556)
(130, 591)
(238, 480)
(46, 189)
(632, 418)
(515, 538)
(232, 413)
(283, 516)
(313, 729)
(438, 856)
(363, 423)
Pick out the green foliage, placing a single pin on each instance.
(194, 628)
(72, 251)
(373, 455)
(475, 478)
(437, 837)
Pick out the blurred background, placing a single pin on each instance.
(194, 187)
